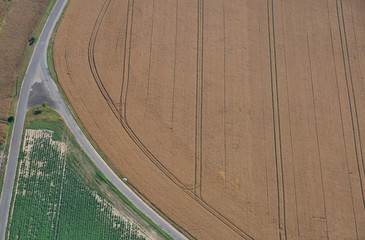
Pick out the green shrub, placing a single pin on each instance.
(10, 119)
(37, 111)
(32, 40)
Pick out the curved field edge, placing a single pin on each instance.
(16, 89)
(81, 166)
(53, 73)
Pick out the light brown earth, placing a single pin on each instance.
(237, 119)
(18, 20)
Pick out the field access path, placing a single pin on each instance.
(37, 87)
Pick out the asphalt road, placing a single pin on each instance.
(37, 77)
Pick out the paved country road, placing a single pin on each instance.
(38, 86)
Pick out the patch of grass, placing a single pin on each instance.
(45, 114)
(4, 148)
(46, 119)
(2, 23)
(4, 6)
(50, 62)
(103, 178)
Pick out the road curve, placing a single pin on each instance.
(38, 74)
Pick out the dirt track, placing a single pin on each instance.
(237, 119)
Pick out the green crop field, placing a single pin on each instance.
(60, 195)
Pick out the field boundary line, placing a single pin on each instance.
(129, 65)
(224, 92)
(199, 100)
(149, 63)
(357, 50)
(61, 190)
(124, 59)
(341, 115)
(350, 104)
(317, 135)
(276, 121)
(173, 84)
(352, 88)
(290, 126)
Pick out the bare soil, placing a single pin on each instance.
(18, 20)
(237, 119)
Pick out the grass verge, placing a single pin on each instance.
(102, 177)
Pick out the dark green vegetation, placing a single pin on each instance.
(32, 40)
(61, 195)
(10, 119)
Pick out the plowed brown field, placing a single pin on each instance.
(237, 119)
